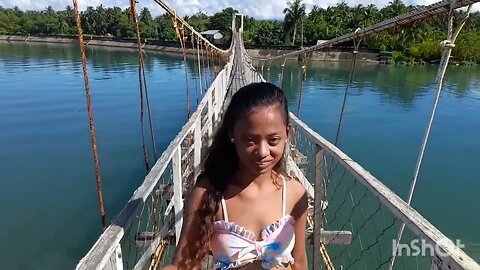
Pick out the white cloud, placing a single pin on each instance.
(259, 9)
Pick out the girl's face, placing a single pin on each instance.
(260, 137)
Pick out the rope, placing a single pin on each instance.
(90, 115)
(203, 70)
(356, 45)
(326, 257)
(158, 255)
(182, 44)
(192, 40)
(350, 80)
(304, 77)
(262, 68)
(268, 70)
(142, 81)
(152, 134)
(447, 46)
(208, 65)
(296, 132)
(283, 69)
(199, 68)
(141, 73)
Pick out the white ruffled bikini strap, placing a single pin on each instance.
(224, 209)
(284, 196)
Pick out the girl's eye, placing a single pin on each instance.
(274, 140)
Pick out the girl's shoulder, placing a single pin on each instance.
(294, 187)
(296, 196)
(202, 186)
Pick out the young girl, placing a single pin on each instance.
(244, 209)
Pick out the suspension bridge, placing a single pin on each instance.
(352, 218)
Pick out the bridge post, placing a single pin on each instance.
(115, 262)
(318, 210)
(177, 192)
(197, 151)
(209, 116)
(218, 102)
(241, 25)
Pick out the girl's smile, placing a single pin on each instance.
(260, 138)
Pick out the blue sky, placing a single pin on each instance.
(259, 9)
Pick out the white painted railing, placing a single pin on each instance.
(315, 169)
(364, 205)
(107, 252)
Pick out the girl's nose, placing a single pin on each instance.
(262, 150)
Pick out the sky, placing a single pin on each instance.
(259, 9)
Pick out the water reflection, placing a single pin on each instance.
(396, 84)
(20, 55)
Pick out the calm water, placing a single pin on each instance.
(49, 215)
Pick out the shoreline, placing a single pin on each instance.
(173, 47)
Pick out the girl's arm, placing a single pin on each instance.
(190, 228)
(299, 213)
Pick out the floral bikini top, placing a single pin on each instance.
(234, 246)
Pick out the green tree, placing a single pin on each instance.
(268, 33)
(145, 16)
(223, 21)
(164, 27)
(199, 21)
(294, 14)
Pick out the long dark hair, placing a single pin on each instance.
(222, 161)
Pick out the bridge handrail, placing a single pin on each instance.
(398, 207)
(421, 227)
(109, 240)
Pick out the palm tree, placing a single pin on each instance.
(370, 15)
(395, 8)
(294, 14)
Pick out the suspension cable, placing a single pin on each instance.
(447, 46)
(192, 40)
(141, 83)
(90, 115)
(356, 45)
(208, 65)
(141, 72)
(304, 77)
(182, 44)
(283, 72)
(349, 82)
(199, 68)
(203, 65)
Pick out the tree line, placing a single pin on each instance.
(416, 43)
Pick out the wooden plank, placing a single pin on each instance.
(421, 227)
(335, 237)
(177, 192)
(145, 259)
